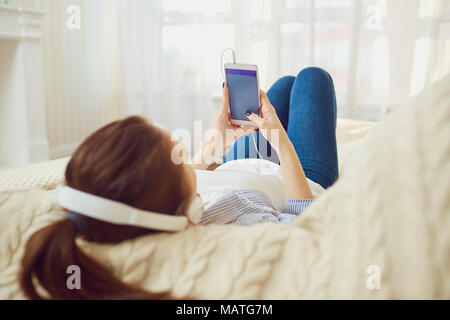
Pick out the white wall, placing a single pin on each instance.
(82, 70)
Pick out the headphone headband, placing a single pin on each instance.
(116, 212)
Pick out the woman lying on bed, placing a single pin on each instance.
(130, 161)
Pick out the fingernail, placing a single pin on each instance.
(248, 113)
(223, 84)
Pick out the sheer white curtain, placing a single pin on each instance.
(379, 52)
(160, 58)
(171, 58)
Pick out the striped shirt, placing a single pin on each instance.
(246, 207)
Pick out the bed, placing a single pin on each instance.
(381, 232)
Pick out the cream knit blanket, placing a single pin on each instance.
(389, 210)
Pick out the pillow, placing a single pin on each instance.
(390, 210)
(349, 133)
(46, 175)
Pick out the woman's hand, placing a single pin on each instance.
(221, 122)
(271, 128)
(220, 136)
(269, 124)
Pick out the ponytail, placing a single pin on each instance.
(116, 162)
(48, 254)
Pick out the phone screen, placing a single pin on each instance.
(243, 93)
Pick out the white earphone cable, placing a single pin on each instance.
(254, 143)
(221, 61)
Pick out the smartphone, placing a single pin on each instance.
(243, 92)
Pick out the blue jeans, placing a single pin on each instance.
(306, 106)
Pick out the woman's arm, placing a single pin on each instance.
(221, 135)
(270, 126)
(204, 160)
(294, 177)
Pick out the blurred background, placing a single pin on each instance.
(161, 59)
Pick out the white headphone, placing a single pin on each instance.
(115, 212)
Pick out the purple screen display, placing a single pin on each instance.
(243, 93)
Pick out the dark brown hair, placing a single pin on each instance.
(127, 161)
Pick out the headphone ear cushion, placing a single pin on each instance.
(195, 211)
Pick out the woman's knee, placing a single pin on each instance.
(316, 74)
(284, 82)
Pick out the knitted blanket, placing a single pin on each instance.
(382, 231)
